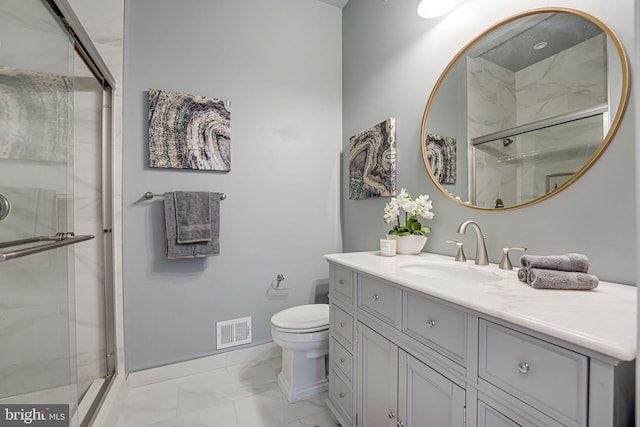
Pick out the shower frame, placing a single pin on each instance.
(92, 58)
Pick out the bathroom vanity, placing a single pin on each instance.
(423, 340)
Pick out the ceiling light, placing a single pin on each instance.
(434, 8)
(540, 45)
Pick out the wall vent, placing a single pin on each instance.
(231, 333)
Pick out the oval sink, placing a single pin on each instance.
(456, 273)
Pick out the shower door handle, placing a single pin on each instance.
(57, 241)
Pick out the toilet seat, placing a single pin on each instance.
(302, 319)
(301, 330)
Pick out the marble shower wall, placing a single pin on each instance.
(491, 97)
(552, 86)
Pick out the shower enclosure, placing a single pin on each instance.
(57, 342)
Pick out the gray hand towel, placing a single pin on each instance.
(568, 262)
(193, 216)
(555, 279)
(523, 273)
(177, 250)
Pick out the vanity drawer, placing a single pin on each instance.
(542, 374)
(342, 326)
(341, 359)
(488, 417)
(341, 396)
(494, 414)
(380, 299)
(437, 325)
(342, 282)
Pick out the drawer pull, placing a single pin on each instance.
(391, 415)
(341, 395)
(431, 323)
(341, 360)
(523, 368)
(341, 282)
(376, 297)
(342, 324)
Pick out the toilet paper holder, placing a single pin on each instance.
(275, 284)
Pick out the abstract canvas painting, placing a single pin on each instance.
(372, 161)
(36, 115)
(189, 131)
(441, 154)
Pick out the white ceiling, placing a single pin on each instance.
(337, 3)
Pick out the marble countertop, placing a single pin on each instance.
(602, 320)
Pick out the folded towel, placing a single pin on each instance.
(177, 250)
(568, 262)
(555, 279)
(193, 216)
(523, 274)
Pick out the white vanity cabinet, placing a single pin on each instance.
(401, 354)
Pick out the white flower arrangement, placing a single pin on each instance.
(421, 206)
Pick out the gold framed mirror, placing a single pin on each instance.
(524, 109)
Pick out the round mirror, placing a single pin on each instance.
(525, 108)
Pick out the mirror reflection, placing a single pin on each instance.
(525, 109)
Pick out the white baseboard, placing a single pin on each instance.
(257, 353)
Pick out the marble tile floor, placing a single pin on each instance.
(244, 395)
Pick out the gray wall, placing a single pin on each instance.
(635, 91)
(279, 63)
(390, 72)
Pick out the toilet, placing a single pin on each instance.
(303, 334)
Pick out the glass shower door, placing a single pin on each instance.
(37, 336)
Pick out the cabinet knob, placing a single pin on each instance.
(376, 297)
(341, 395)
(391, 415)
(431, 323)
(400, 424)
(342, 324)
(341, 281)
(341, 360)
(523, 368)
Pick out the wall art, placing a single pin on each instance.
(189, 131)
(372, 161)
(441, 154)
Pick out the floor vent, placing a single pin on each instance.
(233, 332)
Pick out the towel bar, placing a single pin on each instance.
(59, 240)
(149, 195)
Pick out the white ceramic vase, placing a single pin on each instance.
(409, 245)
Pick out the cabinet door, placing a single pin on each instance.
(489, 417)
(427, 398)
(377, 380)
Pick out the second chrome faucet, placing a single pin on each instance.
(481, 248)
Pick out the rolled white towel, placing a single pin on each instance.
(554, 279)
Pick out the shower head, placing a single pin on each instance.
(507, 142)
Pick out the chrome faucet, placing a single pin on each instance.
(481, 248)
